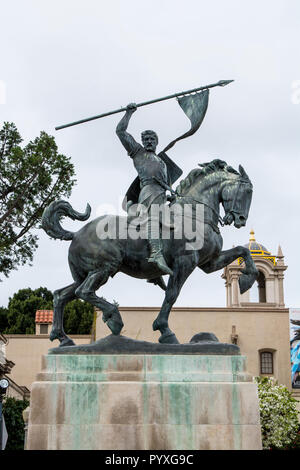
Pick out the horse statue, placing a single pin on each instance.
(92, 260)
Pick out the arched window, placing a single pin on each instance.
(258, 290)
(261, 284)
(266, 362)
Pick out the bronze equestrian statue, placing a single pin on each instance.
(93, 261)
(93, 258)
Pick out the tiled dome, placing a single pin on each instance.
(257, 249)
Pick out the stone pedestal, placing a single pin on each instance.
(161, 402)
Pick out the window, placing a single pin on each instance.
(266, 362)
(44, 329)
(261, 284)
(258, 291)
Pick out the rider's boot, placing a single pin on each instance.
(158, 281)
(156, 256)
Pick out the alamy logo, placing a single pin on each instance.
(181, 222)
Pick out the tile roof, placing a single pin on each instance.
(44, 316)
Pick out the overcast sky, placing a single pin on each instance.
(66, 60)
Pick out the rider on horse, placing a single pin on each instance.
(154, 180)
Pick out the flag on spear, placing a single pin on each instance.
(194, 107)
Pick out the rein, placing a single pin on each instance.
(220, 220)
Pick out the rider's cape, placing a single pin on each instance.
(194, 107)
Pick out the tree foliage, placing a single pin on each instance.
(12, 411)
(78, 318)
(20, 314)
(3, 319)
(22, 307)
(278, 414)
(30, 178)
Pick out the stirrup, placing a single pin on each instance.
(158, 281)
(160, 262)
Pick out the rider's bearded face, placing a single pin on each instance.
(149, 141)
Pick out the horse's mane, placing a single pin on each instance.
(206, 169)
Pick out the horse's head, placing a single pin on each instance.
(218, 182)
(236, 199)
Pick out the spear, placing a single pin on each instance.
(145, 103)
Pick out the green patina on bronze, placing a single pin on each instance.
(158, 368)
(172, 395)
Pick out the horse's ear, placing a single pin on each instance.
(232, 170)
(243, 173)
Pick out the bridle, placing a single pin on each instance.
(220, 220)
(231, 211)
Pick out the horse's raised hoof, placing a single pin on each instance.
(115, 326)
(168, 338)
(246, 281)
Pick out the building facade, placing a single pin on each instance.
(14, 390)
(26, 351)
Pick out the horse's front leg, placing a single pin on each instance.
(249, 274)
(182, 269)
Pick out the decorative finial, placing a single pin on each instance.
(279, 253)
(252, 237)
(280, 257)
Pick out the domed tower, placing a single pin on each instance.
(268, 290)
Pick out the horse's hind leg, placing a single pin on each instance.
(86, 291)
(60, 298)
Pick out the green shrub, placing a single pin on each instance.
(12, 412)
(278, 414)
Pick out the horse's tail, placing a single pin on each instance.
(55, 212)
